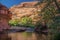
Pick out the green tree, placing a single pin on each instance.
(51, 14)
(13, 22)
(26, 21)
(49, 11)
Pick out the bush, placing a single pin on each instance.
(26, 21)
(13, 22)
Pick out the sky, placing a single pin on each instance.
(10, 3)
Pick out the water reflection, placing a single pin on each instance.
(40, 36)
(4, 35)
(27, 36)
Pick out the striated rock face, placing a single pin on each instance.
(4, 12)
(26, 9)
(5, 16)
(29, 9)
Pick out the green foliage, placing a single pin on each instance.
(26, 21)
(13, 22)
(49, 15)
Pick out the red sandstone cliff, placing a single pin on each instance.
(5, 16)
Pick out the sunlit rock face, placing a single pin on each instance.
(29, 9)
(5, 16)
(26, 9)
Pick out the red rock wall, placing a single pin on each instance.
(5, 16)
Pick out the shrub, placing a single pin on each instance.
(26, 21)
(13, 22)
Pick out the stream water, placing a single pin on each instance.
(27, 36)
